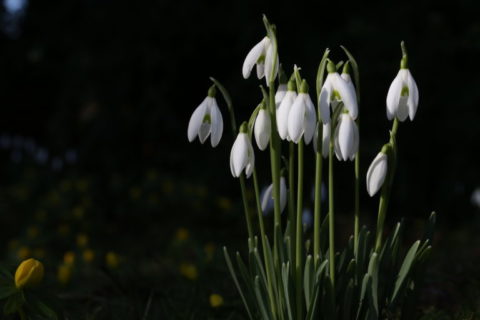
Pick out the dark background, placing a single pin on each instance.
(112, 84)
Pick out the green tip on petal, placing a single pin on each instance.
(331, 68)
(292, 86)
(346, 67)
(304, 87)
(244, 127)
(212, 91)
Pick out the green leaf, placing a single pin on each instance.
(404, 272)
(308, 283)
(6, 291)
(235, 280)
(373, 272)
(287, 288)
(14, 303)
(260, 300)
(321, 72)
(228, 100)
(45, 310)
(366, 283)
(329, 306)
(252, 119)
(347, 302)
(430, 228)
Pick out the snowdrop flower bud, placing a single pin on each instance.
(302, 118)
(262, 128)
(325, 139)
(402, 97)
(206, 120)
(284, 110)
(256, 56)
(267, 197)
(377, 172)
(346, 138)
(242, 156)
(336, 88)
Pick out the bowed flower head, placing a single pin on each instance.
(284, 110)
(242, 156)
(262, 56)
(267, 198)
(402, 97)
(377, 173)
(346, 138)
(336, 88)
(206, 121)
(262, 128)
(302, 118)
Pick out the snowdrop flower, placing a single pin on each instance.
(242, 156)
(325, 139)
(267, 197)
(302, 118)
(262, 128)
(280, 94)
(336, 88)
(284, 109)
(261, 55)
(346, 138)
(402, 97)
(377, 173)
(206, 120)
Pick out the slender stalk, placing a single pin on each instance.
(386, 188)
(291, 198)
(317, 211)
(264, 244)
(243, 188)
(357, 197)
(275, 164)
(298, 258)
(331, 212)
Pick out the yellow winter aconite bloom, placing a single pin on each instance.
(69, 258)
(112, 260)
(189, 271)
(64, 273)
(88, 255)
(182, 234)
(216, 300)
(29, 273)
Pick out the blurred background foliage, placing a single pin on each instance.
(97, 177)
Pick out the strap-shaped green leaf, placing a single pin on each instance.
(366, 283)
(373, 272)
(260, 299)
(287, 288)
(228, 100)
(347, 301)
(404, 271)
(235, 280)
(308, 280)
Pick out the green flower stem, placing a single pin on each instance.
(298, 257)
(291, 198)
(357, 198)
(275, 164)
(243, 187)
(264, 240)
(386, 188)
(317, 211)
(331, 212)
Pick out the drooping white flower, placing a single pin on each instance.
(280, 94)
(262, 129)
(206, 121)
(336, 88)
(284, 110)
(242, 156)
(402, 97)
(262, 55)
(325, 139)
(267, 197)
(377, 173)
(302, 117)
(346, 138)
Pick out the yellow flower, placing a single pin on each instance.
(88, 255)
(189, 271)
(182, 234)
(23, 253)
(216, 300)
(69, 258)
(64, 273)
(82, 240)
(29, 273)
(209, 250)
(112, 260)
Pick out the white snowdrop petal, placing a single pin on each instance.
(196, 120)
(336, 144)
(283, 112)
(346, 136)
(260, 70)
(326, 140)
(280, 94)
(376, 173)
(402, 109)
(393, 95)
(267, 197)
(217, 123)
(252, 57)
(240, 153)
(204, 132)
(310, 120)
(296, 118)
(413, 96)
(262, 129)
(347, 93)
(324, 101)
(270, 64)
